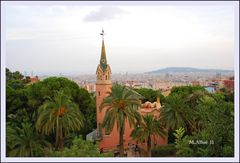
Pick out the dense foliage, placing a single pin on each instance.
(150, 126)
(213, 130)
(54, 112)
(164, 151)
(28, 108)
(80, 148)
(150, 95)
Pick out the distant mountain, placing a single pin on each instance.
(188, 70)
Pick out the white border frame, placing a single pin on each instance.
(153, 159)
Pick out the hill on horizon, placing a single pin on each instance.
(188, 70)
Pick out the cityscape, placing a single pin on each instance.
(163, 81)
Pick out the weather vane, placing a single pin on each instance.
(102, 33)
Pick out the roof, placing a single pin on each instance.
(135, 93)
(103, 59)
(92, 135)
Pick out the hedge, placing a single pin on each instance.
(164, 151)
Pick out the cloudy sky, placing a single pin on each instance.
(60, 38)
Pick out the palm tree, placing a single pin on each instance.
(24, 141)
(149, 126)
(59, 115)
(121, 106)
(175, 113)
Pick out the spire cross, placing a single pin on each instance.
(102, 34)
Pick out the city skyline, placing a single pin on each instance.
(66, 39)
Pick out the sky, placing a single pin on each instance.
(139, 38)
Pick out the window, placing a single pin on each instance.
(99, 130)
(99, 93)
(106, 77)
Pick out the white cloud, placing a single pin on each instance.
(105, 13)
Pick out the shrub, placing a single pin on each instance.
(164, 151)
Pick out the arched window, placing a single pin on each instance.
(106, 77)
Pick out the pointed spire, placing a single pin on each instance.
(103, 59)
(103, 53)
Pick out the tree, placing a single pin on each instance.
(217, 133)
(182, 143)
(121, 107)
(175, 113)
(80, 148)
(149, 127)
(59, 115)
(87, 106)
(219, 130)
(24, 141)
(37, 93)
(16, 99)
(186, 90)
(150, 94)
(14, 79)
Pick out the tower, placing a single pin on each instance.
(103, 85)
(109, 140)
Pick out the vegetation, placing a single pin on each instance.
(32, 111)
(121, 106)
(175, 113)
(164, 151)
(59, 115)
(80, 148)
(182, 143)
(149, 126)
(25, 141)
(150, 95)
(55, 112)
(215, 136)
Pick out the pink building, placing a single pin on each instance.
(109, 141)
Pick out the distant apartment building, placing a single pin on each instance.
(90, 87)
(32, 79)
(195, 83)
(229, 84)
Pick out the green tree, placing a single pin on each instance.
(149, 127)
(175, 113)
(59, 115)
(37, 93)
(24, 141)
(182, 143)
(186, 90)
(14, 79)
(121, 107)
(217, 133)
(16, 99)
(80, 148)
(150, 95)
(87, 106)
(219, 130)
